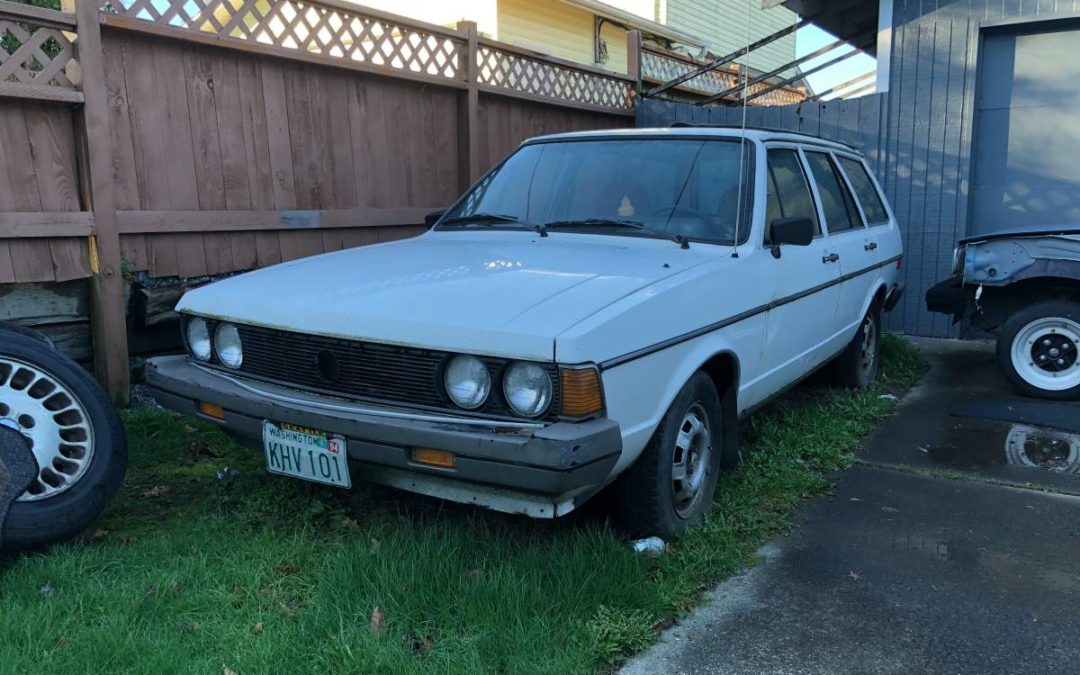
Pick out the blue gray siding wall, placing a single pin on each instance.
(917, 136)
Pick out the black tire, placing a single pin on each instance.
(645, 493)
(857, 366)
(32, 524)
(1024, 326)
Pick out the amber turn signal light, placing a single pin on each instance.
(581, 394)
(211, 410)
(433, 457)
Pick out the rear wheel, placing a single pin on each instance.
(857, 365)
(74, 434)
(671, 485)
(1037, 350)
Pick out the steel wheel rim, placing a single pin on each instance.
(40, 407)
(1044, 353)
(690, 461)
(868, 351)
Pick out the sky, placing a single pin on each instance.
(811, 38)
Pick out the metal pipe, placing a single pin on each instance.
(803, 74)
(843, 85)
(772, 73)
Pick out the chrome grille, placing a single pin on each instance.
(366, 370)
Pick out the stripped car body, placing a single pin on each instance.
(1000, 276)
(618, 315)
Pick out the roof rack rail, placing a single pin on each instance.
(754, 127)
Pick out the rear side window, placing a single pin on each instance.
(865, 192)
(836, 202)
(789, 193)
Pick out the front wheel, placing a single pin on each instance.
(1037, 350)
(672, 483)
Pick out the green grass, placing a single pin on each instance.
(265, 574)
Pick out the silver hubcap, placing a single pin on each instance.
(690, 461)
(869, 344)
(1044, 353)
(37, 405)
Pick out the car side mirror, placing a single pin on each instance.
(798, 231)
(433, 217)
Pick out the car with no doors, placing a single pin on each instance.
(600, 308)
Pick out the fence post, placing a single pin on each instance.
(108, 321)
(633, 60)
(469, 143)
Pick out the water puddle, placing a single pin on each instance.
(977, 443)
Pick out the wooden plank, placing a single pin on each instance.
(70, 258)
(338, 134)
(244, 250)
(254, 129)
(300, 244)
(533, 98)
(218, 253)
(39, 92)
(231, 137)
(277, 121)
(362, 138)
(469, 139)
(7, 269)
(31, 260)
(120, 129)
(18, 184)
(202, 113)
(148, 222)
(52, 145)
(307, 154)
(46, 224)
(267, 249)
(37, 304)
(176, 127)
(359, 237)
(133, 251)
(146, 112)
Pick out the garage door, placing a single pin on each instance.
(1027, 131)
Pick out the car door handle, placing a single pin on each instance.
(832, 257)
(870, 246)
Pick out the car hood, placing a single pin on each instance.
(498, 293)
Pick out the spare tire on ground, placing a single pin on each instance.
(74, 433)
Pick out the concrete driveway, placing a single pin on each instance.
(952, 547)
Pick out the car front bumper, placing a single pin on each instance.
(950, 296)
(538, 469)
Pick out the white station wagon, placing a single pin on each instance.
(599, 308)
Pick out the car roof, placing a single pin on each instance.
(697, 131)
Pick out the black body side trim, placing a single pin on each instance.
(704, 330)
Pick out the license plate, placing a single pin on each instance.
(309, 454)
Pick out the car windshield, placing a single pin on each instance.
(692, 188)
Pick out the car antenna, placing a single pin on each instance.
(744, 73)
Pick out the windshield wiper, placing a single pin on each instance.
(492, 219)
(632, 224)
(482, 219)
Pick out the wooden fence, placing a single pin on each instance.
(199, 137)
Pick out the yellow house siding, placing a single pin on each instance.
(722, 23)
(558, 29)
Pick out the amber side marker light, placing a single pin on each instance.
(581, 395)
(211, 410)
(433, 457)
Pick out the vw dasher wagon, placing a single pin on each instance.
(599, 309)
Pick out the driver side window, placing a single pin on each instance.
(788, 192)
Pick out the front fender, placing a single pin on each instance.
(640, 391)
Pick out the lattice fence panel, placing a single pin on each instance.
(519, 73)
(662, 68)
(308, 27)
(34, 54)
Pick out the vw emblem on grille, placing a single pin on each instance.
(329, 368)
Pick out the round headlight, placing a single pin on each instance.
(198, 338)
(527, 388)
(227, 345)
(467, 382)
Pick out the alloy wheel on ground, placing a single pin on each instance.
(54, 420)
